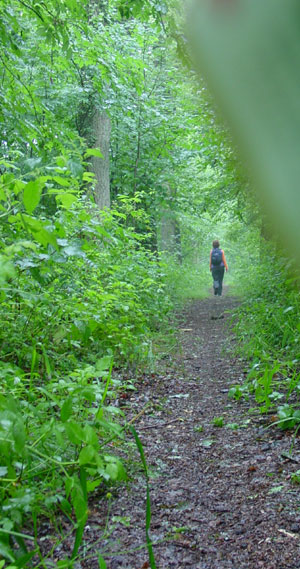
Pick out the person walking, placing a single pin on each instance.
(217, 266)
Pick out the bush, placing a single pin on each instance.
(90, 289)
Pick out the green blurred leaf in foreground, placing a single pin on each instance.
(250, 53)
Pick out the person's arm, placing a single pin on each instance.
(210, 260)
(224, 260)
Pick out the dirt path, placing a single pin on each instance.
(221, 496)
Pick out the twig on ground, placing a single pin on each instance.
(136, 417)
(287, 456)
(163, 424)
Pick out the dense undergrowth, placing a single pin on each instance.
(267, 328)
(80, 294)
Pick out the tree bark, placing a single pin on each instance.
(101, 129)
(169, 237)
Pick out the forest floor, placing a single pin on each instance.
(222, 497)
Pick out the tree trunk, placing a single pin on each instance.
(101, 128)
(178, 241)
(169, 235)
(167, 232)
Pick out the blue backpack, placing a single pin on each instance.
(216, 257)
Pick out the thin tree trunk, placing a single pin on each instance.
(138, 151)
(101, 128)
(178, 241)
(169, 237)
(98, 126)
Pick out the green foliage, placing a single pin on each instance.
(77, 288)
(186, 281)
(75, 282)
(53, 450)
(267, 328)
(295, 477)
(288, 417)
(218, 421)
(237, 392)
(232, 426)
(207, 443)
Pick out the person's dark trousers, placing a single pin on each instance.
(218, 275)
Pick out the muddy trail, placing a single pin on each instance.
(220, 482)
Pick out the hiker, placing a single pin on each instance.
(217, 266)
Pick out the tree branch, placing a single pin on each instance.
(32, 9)
(17, 78)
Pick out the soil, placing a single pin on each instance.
(221, 496)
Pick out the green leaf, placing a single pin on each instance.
(88, 393)
(47, 361)
(79, 504)
(90, 435)
(88, 176)
(148, 502)
(107, 383)
(276, 489)
(61, 161)
(19, 436)
(93, 152)
(66, 410)
(93, 484)
(114, 468)
(64, 564)
(62, 181)
(75, 433)
(73, 251)
(207, 443)
(32, 223)
(6, 552)
(82, 478)
(45, 237)
(101, 562)
(79, 499)
(66, 200)
(7, 269)
(32, 194)
(233, 426)
(104, 363)
(75, 167)
(140, 449)
(87, 455)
